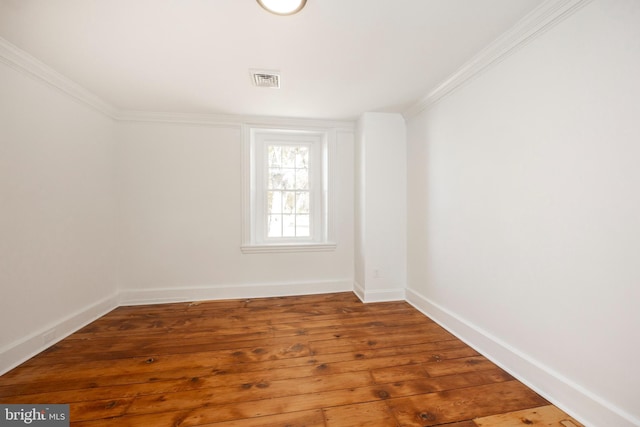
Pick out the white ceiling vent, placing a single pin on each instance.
(262, 78)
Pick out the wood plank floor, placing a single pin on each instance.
(322, 360)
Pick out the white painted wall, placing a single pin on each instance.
(360, 193)
(96, 212)
(57, 216)
(180, 220)
(522, 201)
(524, 212)
(380, 260)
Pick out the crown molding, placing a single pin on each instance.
(224, 120)
(216, 120)
(20, 60)
(541, 19)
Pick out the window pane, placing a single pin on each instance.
(275, 156)
(276, 178)
(288, 179)
(289, 202)
(289, 156)
(288, 225)
(302, 202)
(274, 202)
(274, 225)
(302, 179)
(302, 157)
(302, 226)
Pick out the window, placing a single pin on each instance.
(288, 187)
(286, 190)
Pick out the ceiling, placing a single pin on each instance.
(337, 58)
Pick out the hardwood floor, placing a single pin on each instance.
(322, 360)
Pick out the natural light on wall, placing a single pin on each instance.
(283, 7)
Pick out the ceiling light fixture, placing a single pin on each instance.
(282, 7)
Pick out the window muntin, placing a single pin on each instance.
(288, 191)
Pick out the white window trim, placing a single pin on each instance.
(323, 238)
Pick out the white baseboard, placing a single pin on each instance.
(20, 351)
(219, 292)
(358, 290)
(583, 405)
(379, 295)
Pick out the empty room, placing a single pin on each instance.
(321, 213)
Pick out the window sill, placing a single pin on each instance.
(283, 248)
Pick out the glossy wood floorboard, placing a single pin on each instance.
(321, 360)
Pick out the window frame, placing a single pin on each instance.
(255, 164)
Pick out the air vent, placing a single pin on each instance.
(265, 78)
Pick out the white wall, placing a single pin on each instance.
(381, 244)
(360, 211)
(181, 216)
(96, 212)
(57, 200)
(524, 213)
